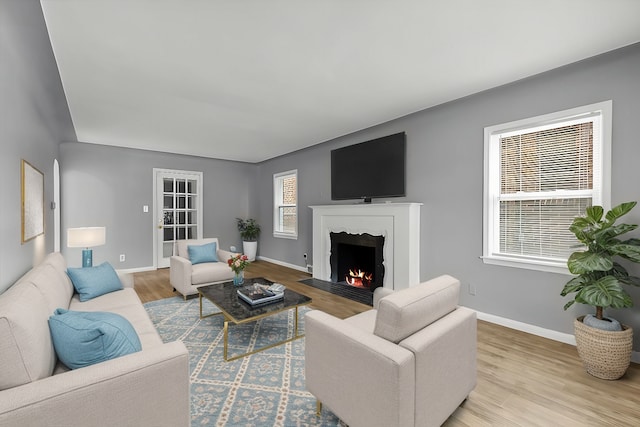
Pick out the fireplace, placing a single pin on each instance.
(357, 260)
(395, 225)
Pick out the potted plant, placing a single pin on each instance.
(603, 344)
(249, 231)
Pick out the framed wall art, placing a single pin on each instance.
(32, 193)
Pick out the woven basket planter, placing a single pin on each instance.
(605, 354)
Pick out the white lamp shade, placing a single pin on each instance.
(86, 237)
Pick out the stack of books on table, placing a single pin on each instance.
(259, 294)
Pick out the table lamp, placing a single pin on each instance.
(86, 237)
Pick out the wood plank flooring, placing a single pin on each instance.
(523, 379)
(155, 285)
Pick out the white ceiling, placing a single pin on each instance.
(254, 79)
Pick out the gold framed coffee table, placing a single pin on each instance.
(234, 310)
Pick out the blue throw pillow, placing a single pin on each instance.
(204, 253)
(91, 282)
(84, 338)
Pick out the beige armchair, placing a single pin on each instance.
(410, 361)
(186, 277)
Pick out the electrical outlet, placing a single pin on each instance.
(472, 289)
(122, 257)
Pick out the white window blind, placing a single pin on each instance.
(285, 203)
(540, 175)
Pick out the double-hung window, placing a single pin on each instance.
(540, 173)
(285, 204)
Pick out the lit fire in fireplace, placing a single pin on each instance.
(359, 279)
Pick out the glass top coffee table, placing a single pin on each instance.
(224, 296)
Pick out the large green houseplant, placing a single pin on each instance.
(599, 277)
(599, 282)
(249, 231)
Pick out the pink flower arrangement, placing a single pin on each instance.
(238, 263)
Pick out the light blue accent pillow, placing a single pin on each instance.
(83, 338)
(91, 282)
(203, 253)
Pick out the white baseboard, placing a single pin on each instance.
(538, 331)
(284, 264)
(136, 270)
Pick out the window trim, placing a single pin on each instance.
(278, 178)
(492, 171)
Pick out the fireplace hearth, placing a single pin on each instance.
(360, 295)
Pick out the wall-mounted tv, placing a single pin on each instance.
(371, 169)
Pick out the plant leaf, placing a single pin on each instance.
(630, 280)
(607, 233)
(620, 210)
(619, 271)
(574, 285)
(594, 213)
(569, 304)
(605, 292)
(586, 262)
(581, 222)
(583, 237)
(630, 252)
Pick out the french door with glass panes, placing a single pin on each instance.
(178, 208)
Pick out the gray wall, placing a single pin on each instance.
(108, 186)
(34, 118)
(445, 172)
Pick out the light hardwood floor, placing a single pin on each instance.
(523, 380)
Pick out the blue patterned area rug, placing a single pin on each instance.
(264, 389)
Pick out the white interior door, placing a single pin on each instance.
(178, 210)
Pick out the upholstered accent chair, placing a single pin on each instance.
(410, 361)
(186, 276)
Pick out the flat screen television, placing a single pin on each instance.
(371, 169)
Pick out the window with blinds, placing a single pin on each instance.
(285, 204)
(539, 175)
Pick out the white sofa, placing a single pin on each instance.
(410, 361)
(146, 388)
(186, 277)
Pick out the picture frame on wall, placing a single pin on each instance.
(32, 194)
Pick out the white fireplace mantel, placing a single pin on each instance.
(399, 223)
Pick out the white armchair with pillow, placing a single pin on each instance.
(198, 262)
(410, 361)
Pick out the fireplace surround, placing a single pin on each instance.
(397, 223)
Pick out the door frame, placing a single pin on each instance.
(56, 206)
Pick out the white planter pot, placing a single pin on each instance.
(250, 249)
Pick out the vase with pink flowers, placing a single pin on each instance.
(238, 263)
